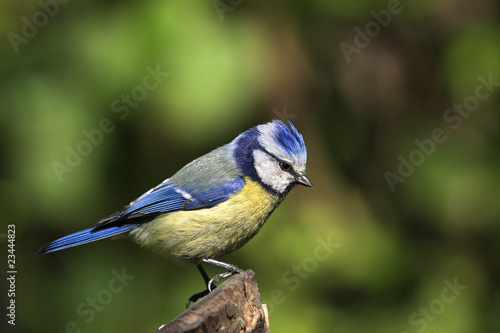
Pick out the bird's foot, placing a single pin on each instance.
(211, 284)
(196, 297)
(231, 270)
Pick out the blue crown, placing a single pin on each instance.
(290, 140)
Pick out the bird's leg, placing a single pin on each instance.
(203, 293)
(231, 270)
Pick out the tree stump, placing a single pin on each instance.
(234, 306)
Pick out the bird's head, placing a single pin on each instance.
(273, 154)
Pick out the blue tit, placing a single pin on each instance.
(214, 204)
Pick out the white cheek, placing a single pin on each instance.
(270, 172)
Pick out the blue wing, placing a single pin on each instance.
(168, 197)
(164, 198)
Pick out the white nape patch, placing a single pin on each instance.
(184, 194)
(270, 172)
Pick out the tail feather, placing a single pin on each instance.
(83, 237)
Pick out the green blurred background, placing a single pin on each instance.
(361, 99)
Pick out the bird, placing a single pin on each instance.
(213, 205)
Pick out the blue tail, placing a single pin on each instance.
(83, 237)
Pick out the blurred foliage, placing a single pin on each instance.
(396, 250)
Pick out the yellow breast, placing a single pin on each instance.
(211, 232)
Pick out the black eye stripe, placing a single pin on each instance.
(281, 162)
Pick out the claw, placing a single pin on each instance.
(196, 297)
(231, 270)
(217, 278)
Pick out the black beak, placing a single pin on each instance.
(303, 180)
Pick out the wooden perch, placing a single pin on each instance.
(234, 306)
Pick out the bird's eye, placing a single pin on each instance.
(285, 166)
